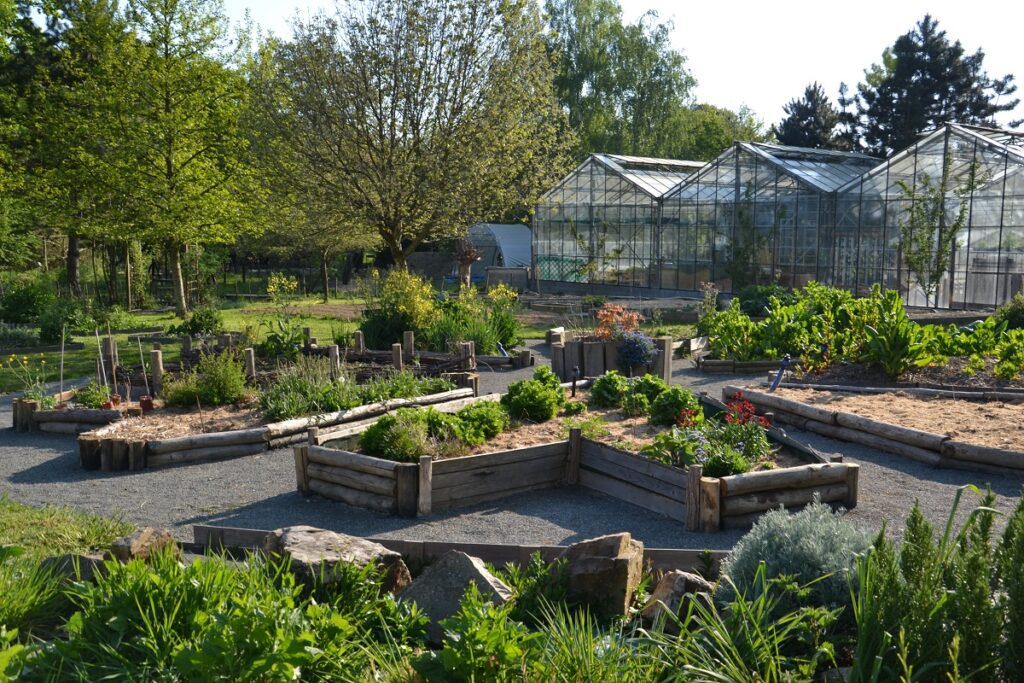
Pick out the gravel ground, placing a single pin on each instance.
(259, 492)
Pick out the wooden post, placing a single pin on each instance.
(525, 358)
(558, 361)
(693, 477)
(118, 454)
(573, 357)
(852, 475)
(593, 359)
(89, 453)
(110, 358)
(407, 478)
(301, 463)
(572, 461)
(156, 364)
(307, 332)
(426, 483)
(137, 455)
(106, 455)
(396, 357)
(358, 342)
(186, 343)
(409, 343)
(250, 363)
(224, 340)
(664, 362)
(311, 436)
(334, 351)
(710, 504)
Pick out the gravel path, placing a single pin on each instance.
(259, 492)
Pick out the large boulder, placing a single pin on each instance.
(315, 551)
(74, 567)
(672, 590)
(142, 544)
(438, 591)
(604, 572)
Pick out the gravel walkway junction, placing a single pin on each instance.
(259, 492)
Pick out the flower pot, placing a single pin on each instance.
(107, 405)
(115, 399)
(146, 403)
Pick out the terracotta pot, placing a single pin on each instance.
(146, 403)
(115, 399)
(108, 405)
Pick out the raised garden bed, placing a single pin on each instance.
(594, 358)
(109, 449)
(430, 485)
(28, 415)
(980, 435)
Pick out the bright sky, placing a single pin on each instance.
(763, 54)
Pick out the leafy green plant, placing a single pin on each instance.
(533, 400)
(574, 408)
(218, 379)
(307, 387)
(482, 421)
(676, 447)
(534, 585)
(15, 336)
(723, 460)
(635, 404)
(759, 300)
(608, 389)
(203, 321)
(668, 407)
(396, 302)
(1012, 312)
(33, 597)
(14, 656)
(401, 436)
(650, 386)
(92, 395)
(894, 343)
(282, 339)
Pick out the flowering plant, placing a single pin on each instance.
(32, 378)
(613, 321)
(636, 348)
(741, 411)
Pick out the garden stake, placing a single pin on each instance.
(63, 331)
(202, 422)
(780, 373)
(99, 348)
(145, 375)
(575, 374)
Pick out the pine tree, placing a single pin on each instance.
(924, 80)
(811, 121)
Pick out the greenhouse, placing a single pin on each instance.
(972, 180)
(599, 225)
(759, 213)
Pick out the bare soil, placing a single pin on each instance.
(987, 423)
(169, 423)
(953, 373)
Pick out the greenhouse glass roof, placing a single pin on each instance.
(822, 169)
(654, 176)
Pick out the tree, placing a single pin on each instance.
(924, 80)
(927, 236)
(175, 152)
(810, 122)
(705, 131)
(421, 117)
(622, 86)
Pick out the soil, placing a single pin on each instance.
(169, 423)
(950, 374)
(987, 423)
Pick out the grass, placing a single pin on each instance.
(55, 530)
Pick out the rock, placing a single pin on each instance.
(142, 544)
(313, 550)
(439, 589)
(670, 593)
(604, 572)
(88, 566)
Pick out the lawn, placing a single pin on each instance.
(54, 530)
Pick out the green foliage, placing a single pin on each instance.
(487, 321)
(204, 321)
(92, 395)
(25, 296)
(281, 288)
(724, 460)
(282, 339)
(50, 529)
(307, 387)
(894, 343)
(811, 122)
(33, 596)
(758, 300)
(574, 408)
(533, 400)
(668, 407)
(218, 379)
(635, 404)
(483, 643)
(636, 349)
(650, 386)
(1009, 559)
(60, 317)
(535, 586)
(815, 547)
(1012, 313)
(608, 390)
(676, 447)
(15, 336)
(401, 436)
(397, 302)
(482, 421)
(13, 656)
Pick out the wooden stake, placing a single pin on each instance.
(423, 504)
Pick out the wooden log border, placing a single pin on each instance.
(206, 537)
(937, 450)
(93, 443)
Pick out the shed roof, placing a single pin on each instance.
(513, 240)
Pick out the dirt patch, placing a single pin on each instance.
(987, 423)
(953, 373)
(169, 423)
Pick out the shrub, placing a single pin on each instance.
(61, 316)
(650, 386)
(25, 296)
(894, 343)
(401, 436)
(613, 321)
(1012, 313)
(219, 379)
(532, 400)
(92, 395)
(574, 408)
(283, 339)
(724, 461)
(13, 336)
(203, 321)
(636, 349)
(608, 390)
(807, 545)
(756, 300)
(307, 387)
(635, 404)
(399, 301)
(668, 407)
(482, 421)
(676, 447)
(534, 585)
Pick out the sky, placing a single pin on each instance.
(763, 54)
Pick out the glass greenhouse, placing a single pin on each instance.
(599, 225)
(764, 213)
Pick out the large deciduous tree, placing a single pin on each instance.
(923, 81)
(810, 121)
(420, 117)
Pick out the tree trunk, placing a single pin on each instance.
(465, 273)
(73, 260)
(180, 303)
(325, 278)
